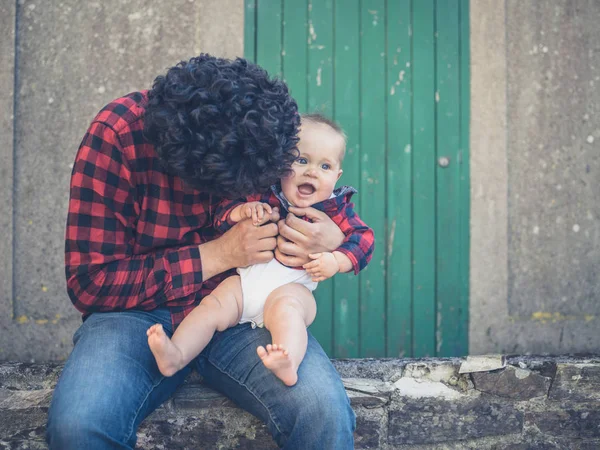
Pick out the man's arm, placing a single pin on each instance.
(102, 272)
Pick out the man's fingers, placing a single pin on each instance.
(254, 216)
(267, 244)
(297, 224)
(290, 261)
(267, 230)
(290, 233)
(312, 213)
(289, 248)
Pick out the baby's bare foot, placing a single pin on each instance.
(277, 360)
(168, 357)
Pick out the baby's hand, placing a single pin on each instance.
(257, 211)
(323, 266)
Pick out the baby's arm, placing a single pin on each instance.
(257, 211)
(326, 264)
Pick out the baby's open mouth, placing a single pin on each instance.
(306, 189)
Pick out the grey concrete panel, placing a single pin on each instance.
(72, 58)
(553, 100)
(7, 81)
(527, 329)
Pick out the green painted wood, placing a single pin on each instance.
(377, 67)
(269, 35)
(447, 189)
(346, 111)
(320, 99)
(373, 181)
(295, 50)
(465, 185)
(423, 69)
(399, 175)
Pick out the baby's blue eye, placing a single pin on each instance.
(325, 166)
(301, 161)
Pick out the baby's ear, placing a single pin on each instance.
(339, 174)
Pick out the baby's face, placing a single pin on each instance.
(317, 168)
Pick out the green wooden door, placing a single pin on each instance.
(395, 75)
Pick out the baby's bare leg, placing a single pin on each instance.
(218, 311)
(288, 311)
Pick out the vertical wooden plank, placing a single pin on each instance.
(250, 30)
(320, 99)
(399, 161)
(295, 50)
(372, 189)
(465, 184)
(448, 315)
(423, 179)
(347, 113)
(269, 36)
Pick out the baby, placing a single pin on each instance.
(271, 294)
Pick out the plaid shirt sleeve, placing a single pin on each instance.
(102, 272)
(360, 240)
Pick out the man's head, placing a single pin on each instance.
(317, 168)
(224, 127)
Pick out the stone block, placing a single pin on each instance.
(576, 382)
(575, 424)
(431, 421)
(512, 382)
(370, 428)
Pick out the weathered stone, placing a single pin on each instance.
(376, 369)
(420, 410)
(23, 424)
(29, 376)
(198, 396)
(570, 423)
(211, 428)
(576, 382)
(368, 393)
(369, 428)
(512, 382)
(430, 421)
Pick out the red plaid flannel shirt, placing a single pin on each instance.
(133, 230)
(359, 242)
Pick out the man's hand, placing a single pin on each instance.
(323, 265)
(241, 246)
(299, 238)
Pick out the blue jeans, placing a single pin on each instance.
(110, 383)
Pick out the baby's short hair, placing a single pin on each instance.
(320, 118)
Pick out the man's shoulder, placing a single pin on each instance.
(125, 112)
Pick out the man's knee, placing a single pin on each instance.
(68, 430)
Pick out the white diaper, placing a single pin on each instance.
(259, 280)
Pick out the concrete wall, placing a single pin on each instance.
(535, 141)
(59, 64)
(535, 166)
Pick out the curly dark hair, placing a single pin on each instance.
(223, 126)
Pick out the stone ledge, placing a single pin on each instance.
(445, 403)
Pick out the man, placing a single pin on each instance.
(140, 250)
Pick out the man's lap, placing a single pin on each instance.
(111, 375)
